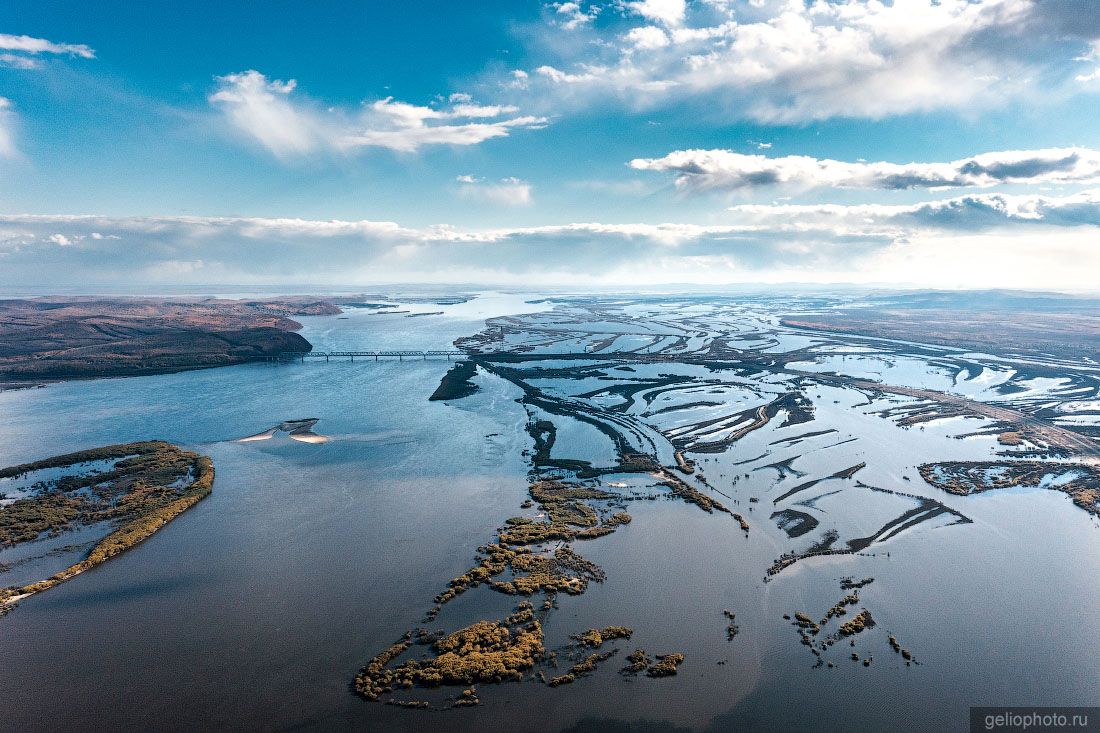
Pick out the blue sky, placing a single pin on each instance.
(620, 142)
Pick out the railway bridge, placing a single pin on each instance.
(400, 355)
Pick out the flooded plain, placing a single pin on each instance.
(767, 472)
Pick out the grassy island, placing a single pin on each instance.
(141, 487)
(486, 651)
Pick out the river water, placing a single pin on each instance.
(256, 608)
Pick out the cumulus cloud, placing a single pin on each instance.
(22, 52)
(725, 170)
(1049, 241)
(570, 15)
(505, 192)
(666, 12)
(265, 110)
(792, 61)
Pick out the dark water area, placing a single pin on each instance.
(256, 608)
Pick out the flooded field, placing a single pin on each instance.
(674, 513)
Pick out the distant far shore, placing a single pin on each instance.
(53, 339)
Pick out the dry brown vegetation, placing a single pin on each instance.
(586, 666)
(839, 609)
(638, 662)
(485, 651)
(666, 665)
(596, 637)
(565, 511)
(858, 623)
(564, 571)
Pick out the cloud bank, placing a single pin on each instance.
(725, 170)
(979, 240)
(974, 212)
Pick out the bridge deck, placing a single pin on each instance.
(506, 356)
(376, 355)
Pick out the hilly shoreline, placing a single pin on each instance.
(57, 339)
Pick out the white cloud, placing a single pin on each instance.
(791, 61)
(506, 192)
(971, 212)
(15, 61)
(571, 15)
(647, 38)
(560, 77)
(260, 108)
(407, 128)
(725, 170)
(264, 110)
(23, 52)
(668, 12)
(28, 44)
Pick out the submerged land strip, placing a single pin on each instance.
(129, 490)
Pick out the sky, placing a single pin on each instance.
(618, 143)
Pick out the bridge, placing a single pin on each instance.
(375, 355)
(492, 356)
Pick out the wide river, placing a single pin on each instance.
(256, 608)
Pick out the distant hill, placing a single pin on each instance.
(46, 339)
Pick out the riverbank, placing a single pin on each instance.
(60, 339)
